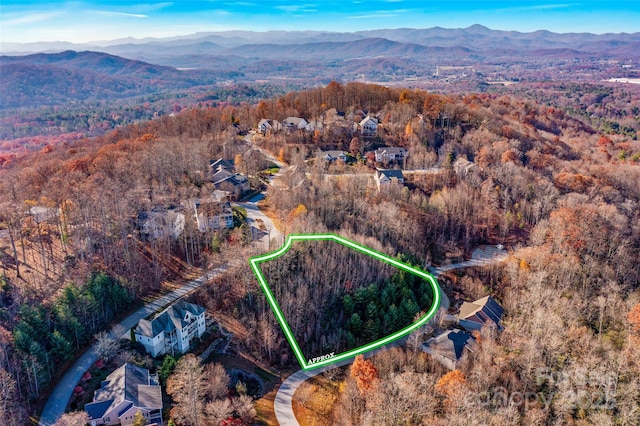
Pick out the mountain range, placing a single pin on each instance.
(53, 73)
(475, 37)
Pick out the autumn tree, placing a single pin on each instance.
(365, 374)
(77, 418)
(187, 387)
(244, 409)
(11, 411)
(355, 146)
(106, 346)
(219, 410)
(452, 385)
(217, 381)
(634, 318)
(139, 419)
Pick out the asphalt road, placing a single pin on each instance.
(59, 398)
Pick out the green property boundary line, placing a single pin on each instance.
(256, 260)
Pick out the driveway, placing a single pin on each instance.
(59, 398)
(482, 255)
(262, 227)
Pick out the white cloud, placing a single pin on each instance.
(297, 8)
(147, 8)
(536, 7)
(241, 3)
(382, 14)
(31, 18)
(124, 14)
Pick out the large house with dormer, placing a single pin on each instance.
(295, 123)
(122, 394)
(172, 330)
(451, 347)
(332, 156)
(234, 183)
(483, 312)
(388, 178)
(368, 126)
(212, 214)
(391, 153)
(161, 223)
(268, 126)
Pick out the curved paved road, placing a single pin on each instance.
(282, 403)
(59, 398)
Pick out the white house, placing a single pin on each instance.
(314, 125)
(295, 123)
(463, 166)
(172, 329)
(122, 394)
(268, 126)
(333, 155)
(264, 126)
(387, 178)
(212, 214)
(368, 126)
(160, 223)
(391, 153)
(41, 214)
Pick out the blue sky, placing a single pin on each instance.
(84, 21)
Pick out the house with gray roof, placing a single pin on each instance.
(172, 330)
(234, 183)
(268, 126)
(122, 394)
(264, 126)
(212, 213)
(386, 178)
(449, 348)
(462, 166)
(221, 164)
(42, 214)
(332, 155)
(368, 126)
(161, 223)
(483, 312)
(391, 153)
(295, 123)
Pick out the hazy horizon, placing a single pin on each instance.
(98, 21)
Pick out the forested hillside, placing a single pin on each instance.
(559, 193)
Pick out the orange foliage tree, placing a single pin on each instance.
(452, 386)
(365, 373)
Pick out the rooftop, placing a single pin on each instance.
(127, 383)
(169, 319)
